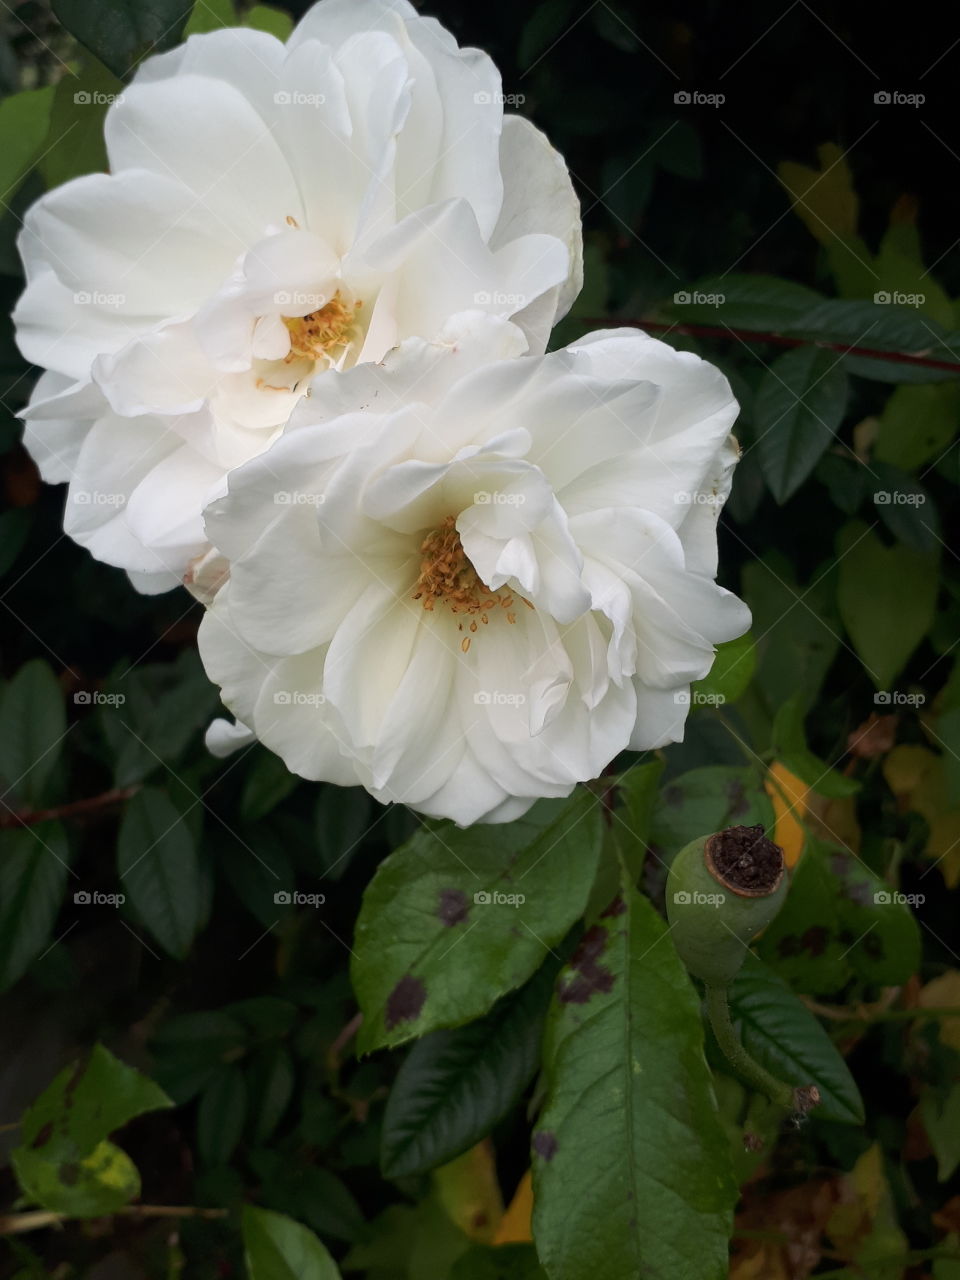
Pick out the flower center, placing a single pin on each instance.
(446, 575)
(315, 335)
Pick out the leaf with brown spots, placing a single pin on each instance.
(631, 1168)
(443, 932)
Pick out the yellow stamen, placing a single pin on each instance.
(332, 325)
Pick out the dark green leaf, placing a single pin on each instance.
(732, 671)
(505, 1262)
(450, 887)
(33, 724)
(158, 870)
(33, 874)
(705, 800)
(454, 1086)
(271, 1080)
(790, 748)
(268, 782)
(879, 327)
(631, 1167)
(221, 1116)
(798, 407)
(121, 32)
(785, 1037)
(75, 144)
(759, 302)
(905, 507)
(24, 119)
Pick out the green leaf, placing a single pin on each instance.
(887, 597)
(799, 405)
(790, 748)
(263, 17)
(449, 887)
(268, 782)
(64, 1161)
(631, 1167)
(24, 120)
(905, 507)
(941, 1119)
(271, 1079)
(455, 1085)
(785, 1037)
(33, 874)
(158, 870)
(75, 145)
(121, 32)
(705, 800)
(33, 724)
(277, 1248)
(312, 1194)
(505, 1262)
(759, 302)
(797, 631)
(211, 15)
(344, 816)
(732, 671)
(545, 26)
(879, 327)
(840, 920)
(221, 1116)
(917, 424)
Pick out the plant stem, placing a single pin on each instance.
(76, 809)
(746, 1067)
(34, 1220)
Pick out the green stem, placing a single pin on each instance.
(746, 1067)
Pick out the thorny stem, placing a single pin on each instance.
(747, 1068)
(779, 339)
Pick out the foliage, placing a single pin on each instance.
(527, 1028)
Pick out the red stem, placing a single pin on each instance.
(77, 808)
(759, 335)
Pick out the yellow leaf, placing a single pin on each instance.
(824, 198)
(943, 845)
(788, 796)
(470, 1194)
(515, 1226)
(944, 993)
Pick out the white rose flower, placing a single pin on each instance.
(466, 580)
(271, 211)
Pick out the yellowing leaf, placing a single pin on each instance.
(824, 198)
(943, 992)
(470, 1194)
(515, 1226)
(864, 1224)
(788, 794)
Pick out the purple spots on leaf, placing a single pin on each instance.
(545, 1144)
(405, 1001)
(453, 908)
(589, 978)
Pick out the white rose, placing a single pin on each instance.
(487, 586)
(271, 211)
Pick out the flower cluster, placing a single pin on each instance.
(294, 351)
